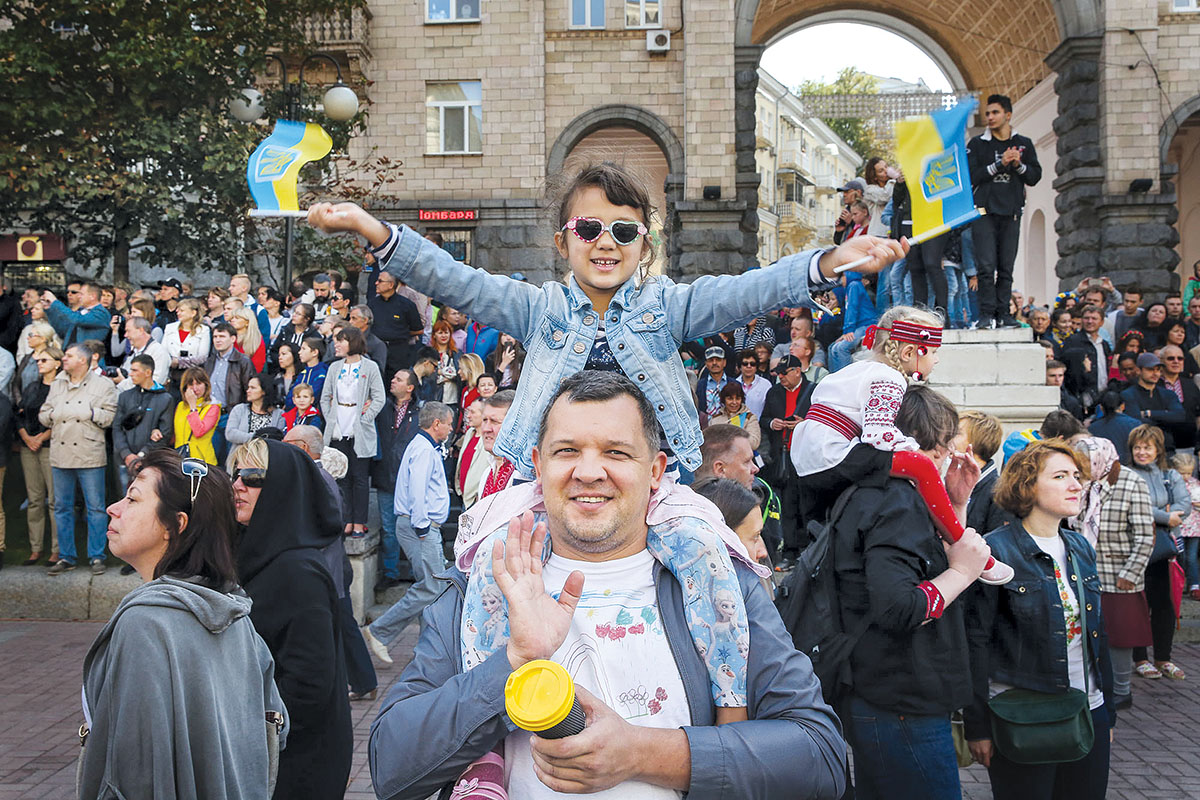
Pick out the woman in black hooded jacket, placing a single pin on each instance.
(290, 514)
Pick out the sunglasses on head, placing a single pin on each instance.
(589, 229)
(195, 469)
(252, 477)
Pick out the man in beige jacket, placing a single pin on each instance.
(81, 404)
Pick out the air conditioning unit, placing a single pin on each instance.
(658, 41)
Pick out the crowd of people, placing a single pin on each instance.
(627, 470)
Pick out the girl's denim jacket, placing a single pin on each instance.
(557, 325)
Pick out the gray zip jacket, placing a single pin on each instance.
(436, 719)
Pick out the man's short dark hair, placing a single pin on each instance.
(1134, 290)
(1172, 295)
(225, 327)
(1091, 310)
(1111, 401)
(409, 377)
(502, 399)
(315, 343)
(1001, 100)
(93, 347)
(593, 386)
(927, 417)
(143, 359)
(1061, 424)
(321, 277)
(429, 354)
(1052, 364)
(718, 441)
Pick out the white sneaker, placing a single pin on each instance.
(377, 647)
(998, 575)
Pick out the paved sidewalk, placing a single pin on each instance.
(41, 663)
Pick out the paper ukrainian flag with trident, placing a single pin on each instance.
(932, 150)
(274, 167)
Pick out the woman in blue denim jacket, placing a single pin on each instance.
(611, 314)
(1036, 632)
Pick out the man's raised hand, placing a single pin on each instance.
(347, 218)
(537, 622)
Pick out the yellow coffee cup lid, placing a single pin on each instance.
(539, 695)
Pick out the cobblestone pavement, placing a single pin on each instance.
(1155, 754)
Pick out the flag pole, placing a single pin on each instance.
(932, 233)
(267, 212)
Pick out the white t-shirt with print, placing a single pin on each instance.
(618, 651)
(1056, 548)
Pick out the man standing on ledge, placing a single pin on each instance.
(597, 462)
(1002, 164)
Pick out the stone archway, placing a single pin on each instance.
(644, 122)
(1069, 31)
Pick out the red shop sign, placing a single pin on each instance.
(447, 215)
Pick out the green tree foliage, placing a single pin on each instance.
(857, 132)
(118, 133)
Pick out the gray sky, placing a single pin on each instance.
(822, 51)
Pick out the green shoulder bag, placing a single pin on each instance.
(1031, 727)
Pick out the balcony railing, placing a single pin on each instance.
(339, 29)
(790, 211)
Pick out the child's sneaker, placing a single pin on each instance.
(483, 780)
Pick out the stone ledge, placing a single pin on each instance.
(986, 336)
(29, 593)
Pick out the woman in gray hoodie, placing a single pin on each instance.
(179, 691)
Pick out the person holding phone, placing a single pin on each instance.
(781, 414)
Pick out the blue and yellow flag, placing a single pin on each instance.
(932, 149)
(274, 166)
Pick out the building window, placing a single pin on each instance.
(587, 13)
(454, 117)
(642, 14)
(451, 10)
(1183, 5)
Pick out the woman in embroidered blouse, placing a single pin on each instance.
(196, 416)
(1036, 632)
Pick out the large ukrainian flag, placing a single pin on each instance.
(932, 151)
(274, 167)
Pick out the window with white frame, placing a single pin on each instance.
(1184, 5)
(452, 10)
(587, 13)
(642, 14)
(454, 117)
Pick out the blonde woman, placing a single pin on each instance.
(470, 367)
(36, 314)
(249, 338)
(36, 338)
(35, 454)
(188, 340)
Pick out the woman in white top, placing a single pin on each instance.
(350, 400)
(1041, 637)
(188, 340)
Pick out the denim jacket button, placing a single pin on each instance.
(648, 317)
(621, 346)
(641, 377)
(1095, 634)
(589, 319)
(579, 347)
(1089, 606)
(1021, 589)
(661, 407)
(557, 336)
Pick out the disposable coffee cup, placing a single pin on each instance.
(540, 698)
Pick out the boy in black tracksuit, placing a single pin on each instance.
(1002, 164)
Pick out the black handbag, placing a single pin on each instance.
(1031, 727)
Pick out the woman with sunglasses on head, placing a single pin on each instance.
(611, 314)
(179, 690)
(35, 454)
(290, 516)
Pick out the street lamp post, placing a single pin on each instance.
(340, 103)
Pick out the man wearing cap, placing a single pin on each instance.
(602, 606)
(710, 384)
(1151, 402)
(852, 191)
(166, 300)
(781, 414)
